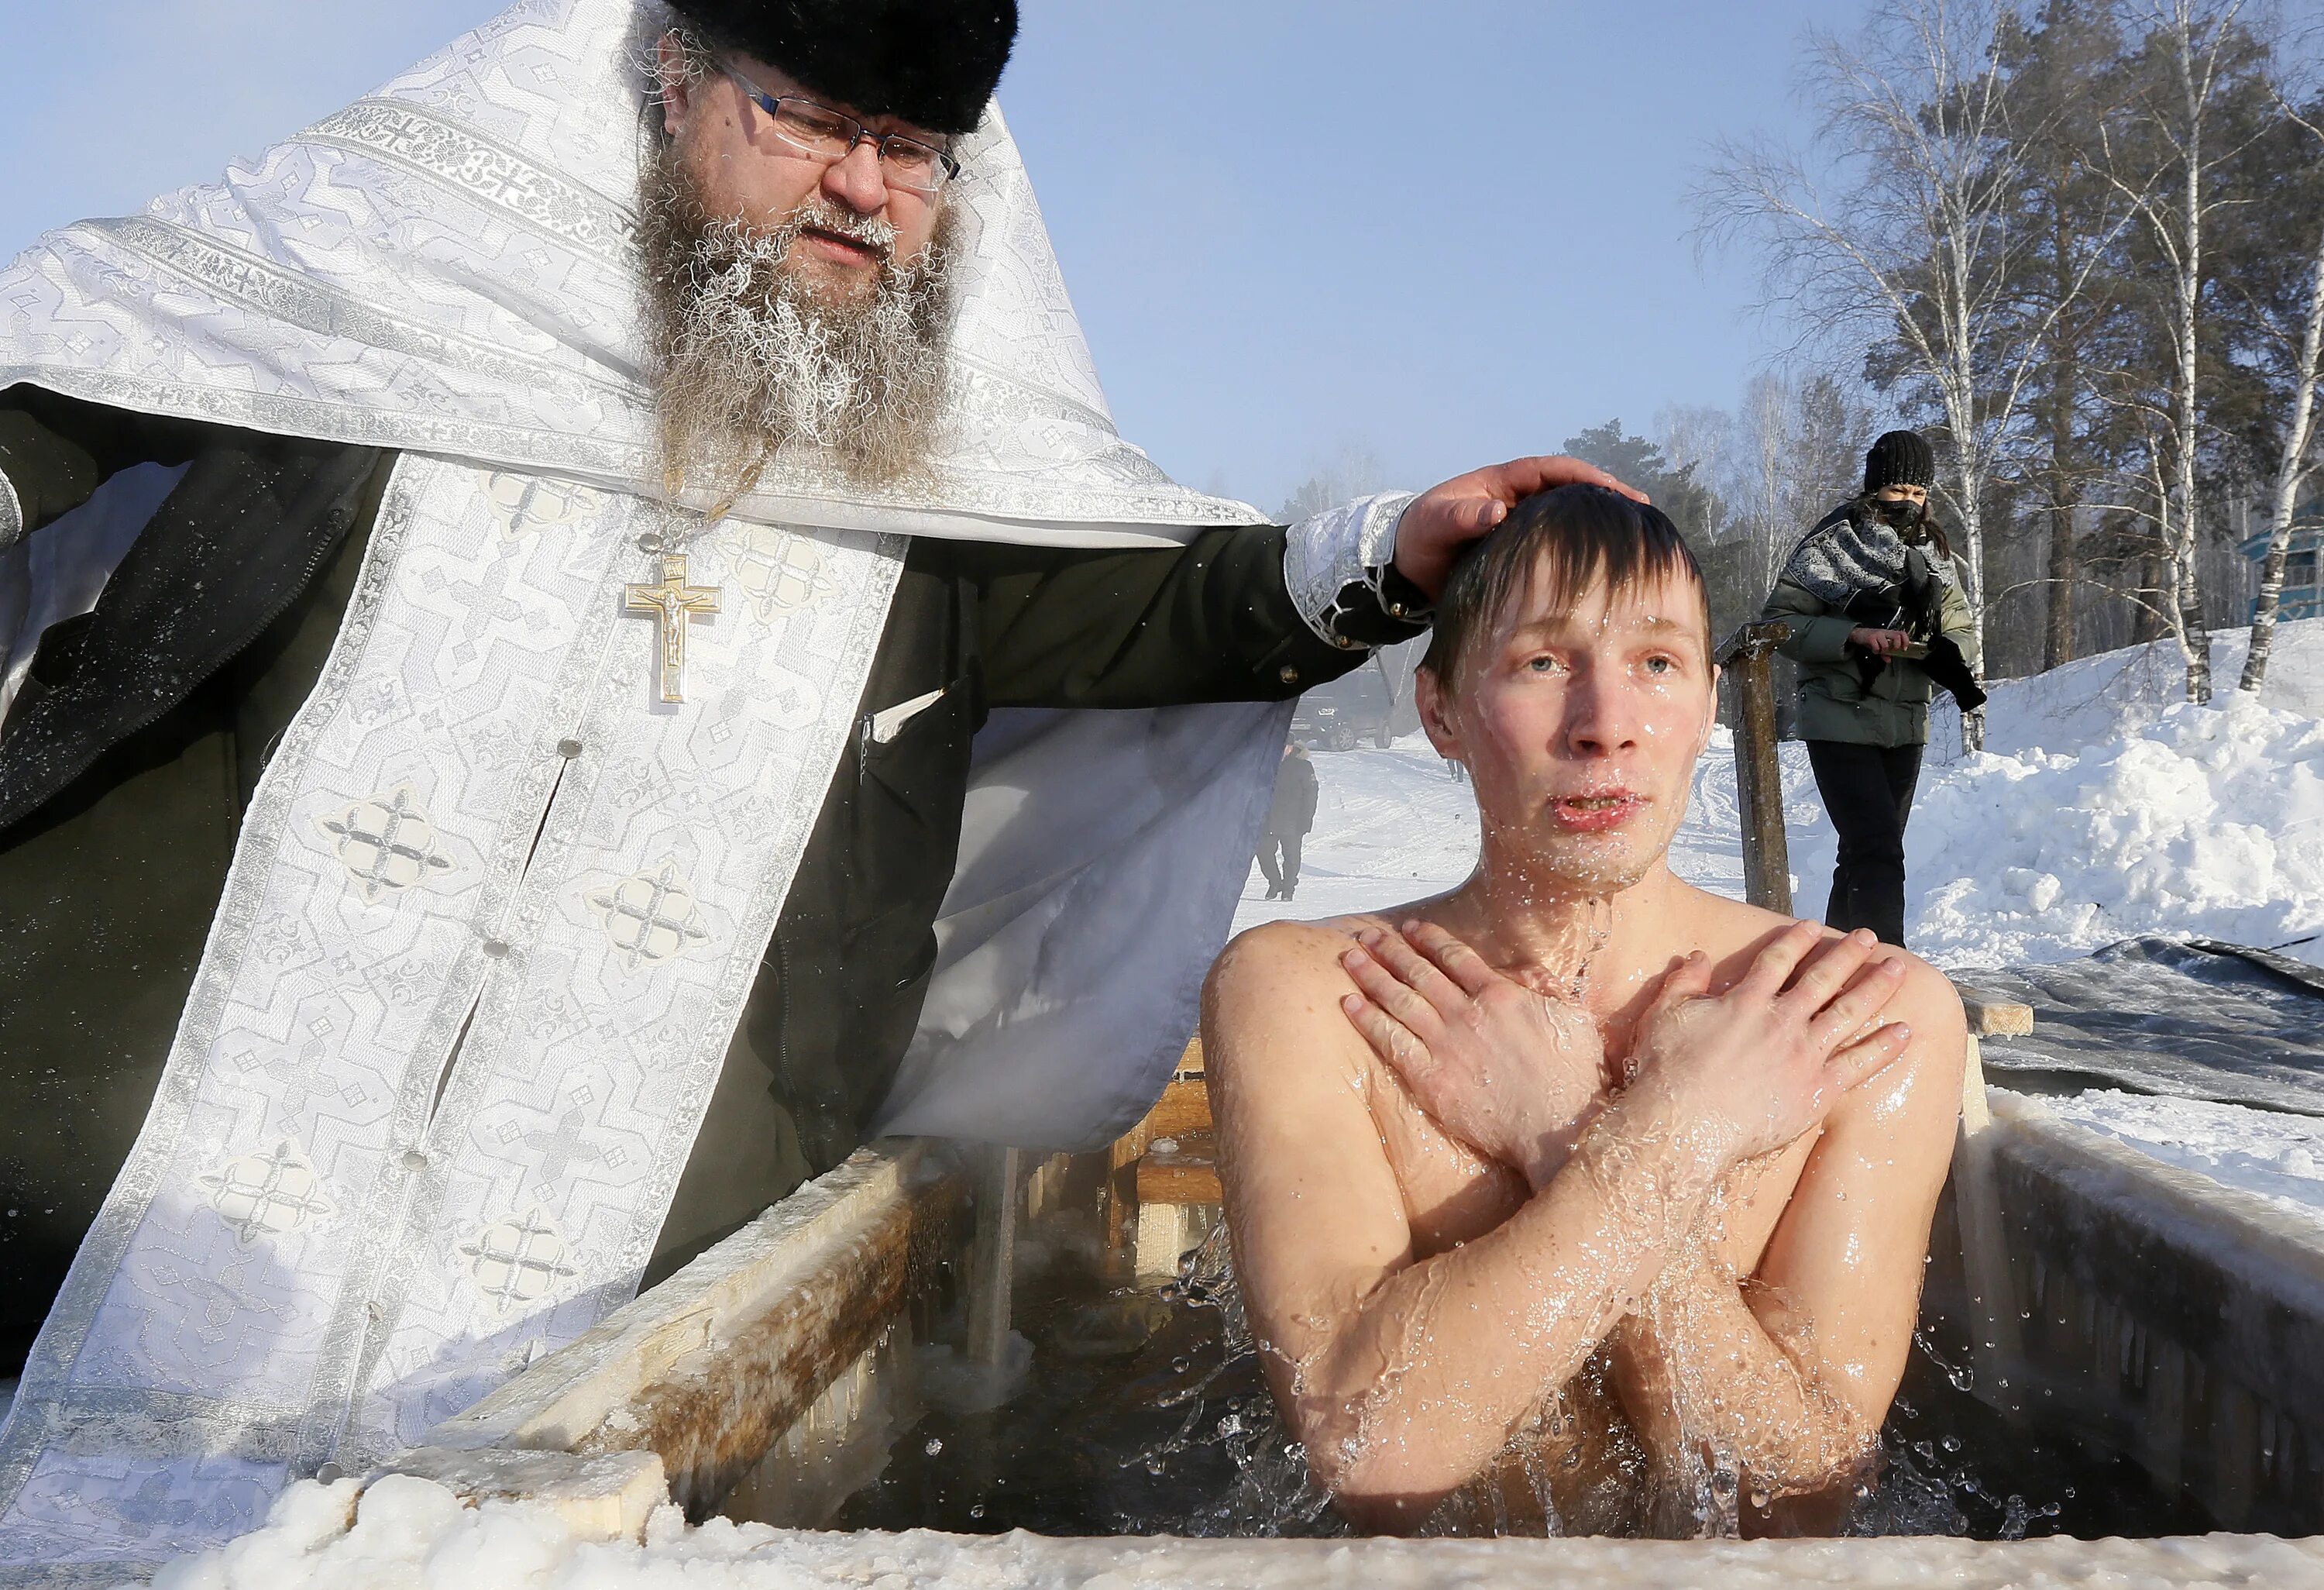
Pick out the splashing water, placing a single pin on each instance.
(1147, 1412)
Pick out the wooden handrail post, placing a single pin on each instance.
(1759, 775)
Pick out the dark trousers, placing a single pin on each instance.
(1284, 879)
(1869, 791)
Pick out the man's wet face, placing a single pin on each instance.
(1579, 722)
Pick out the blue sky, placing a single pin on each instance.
(1443, 232)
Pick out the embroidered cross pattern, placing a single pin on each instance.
(518, 1260)
(269, 1194)
(528, 502)
(672, 602)
(649, 917)
(564, 1148)
(779, 572)
(386, 843)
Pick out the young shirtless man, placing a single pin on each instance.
(1577, 1189)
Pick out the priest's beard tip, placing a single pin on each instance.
(757, 364)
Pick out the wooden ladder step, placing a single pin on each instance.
(1180, 1170)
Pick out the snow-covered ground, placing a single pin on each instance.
(411, 1534)
(2103, 807)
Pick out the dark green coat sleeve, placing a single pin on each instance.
(1818, 633)
(1210, 621)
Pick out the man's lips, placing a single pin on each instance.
(841, 248)
(1596, 813)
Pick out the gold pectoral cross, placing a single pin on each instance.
(671, 603)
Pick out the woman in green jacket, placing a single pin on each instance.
(1874, 599)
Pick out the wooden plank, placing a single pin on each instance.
(1990, 1015)
(1184, 1108)
(710, 1368)
(1165, 1182)
(1188, 1174)
(1747, 658)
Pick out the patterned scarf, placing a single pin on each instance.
(1854, 552)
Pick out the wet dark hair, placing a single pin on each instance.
(1569, 539)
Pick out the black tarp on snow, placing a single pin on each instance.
(2192, 1019)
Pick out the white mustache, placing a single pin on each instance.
(876, 233)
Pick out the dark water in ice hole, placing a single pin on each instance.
(1145, 1412)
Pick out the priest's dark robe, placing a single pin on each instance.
(138, 737)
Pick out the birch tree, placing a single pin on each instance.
(2299, 433)
(1895, 228)
(2170, 171)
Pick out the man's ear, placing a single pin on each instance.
(1709, 712)
(1435, 707)
(676, 92)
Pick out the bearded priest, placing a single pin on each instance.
(552, 624)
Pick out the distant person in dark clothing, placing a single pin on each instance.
(1873, 595)
(1288, 821)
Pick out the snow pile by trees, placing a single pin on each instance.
(2102, 809)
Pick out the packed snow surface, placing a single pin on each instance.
(2281, 1158)
(412, 1534)
(2103, 806)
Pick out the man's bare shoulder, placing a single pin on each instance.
(1276, 990)
(1733, 932)
(1274, 948)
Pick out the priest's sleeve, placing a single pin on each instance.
(55, 451)
(1256, 614)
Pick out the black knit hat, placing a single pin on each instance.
(934, 63)
(1900, 458)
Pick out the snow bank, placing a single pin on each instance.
(412, 1534)
(2103, 807)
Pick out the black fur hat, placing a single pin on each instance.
(931, 62)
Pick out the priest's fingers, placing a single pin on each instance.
(1859, 1006)
(1384, 989)
(1524, 476)
(1463, 965)
(1389, 1038)
(1867, 1057)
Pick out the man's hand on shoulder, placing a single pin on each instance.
(1442, 521)
(1929, 1072)
(1507, 1069)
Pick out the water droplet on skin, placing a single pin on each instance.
(977, 1511)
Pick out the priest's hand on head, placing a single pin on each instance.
(1440, 521)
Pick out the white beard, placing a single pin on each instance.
(756, 362)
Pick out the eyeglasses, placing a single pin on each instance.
(827, 134)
